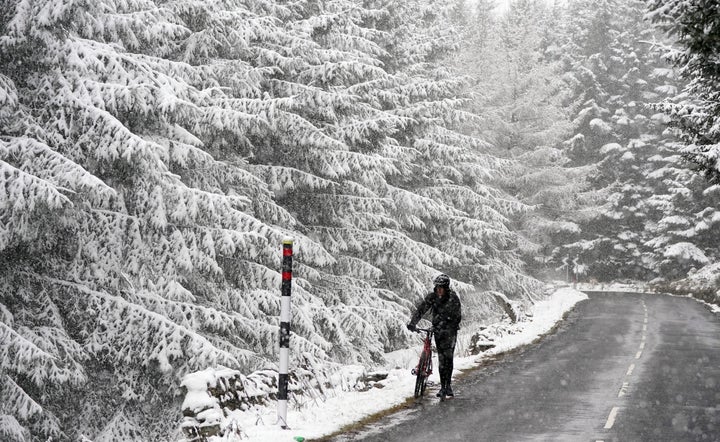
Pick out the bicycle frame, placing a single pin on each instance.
(424, 368)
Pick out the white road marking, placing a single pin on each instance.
(624, 389)
(611, 419)
(626, 385)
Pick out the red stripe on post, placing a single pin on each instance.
(287, 250)
(286, 276)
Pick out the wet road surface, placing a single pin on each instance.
(622, 367)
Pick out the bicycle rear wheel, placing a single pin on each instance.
(421, 381)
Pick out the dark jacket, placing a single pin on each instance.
(446, 311)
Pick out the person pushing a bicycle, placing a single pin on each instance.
(446, 315)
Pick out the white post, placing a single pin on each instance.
(284, 332)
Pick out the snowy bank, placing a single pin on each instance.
(703, 285)
(340, 406)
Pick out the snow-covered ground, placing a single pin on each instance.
(714, 308)
(630, 287)
(342, 408)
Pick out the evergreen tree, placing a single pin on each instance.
(137, 244)
(610, 65)
(463, 172)
(695, 24)
(520, 93)
(644, 222)
(154, 154)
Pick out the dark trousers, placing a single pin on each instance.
(445, 343)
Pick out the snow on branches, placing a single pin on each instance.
(152, 157)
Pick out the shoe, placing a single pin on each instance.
(448, 391)
(440, 393)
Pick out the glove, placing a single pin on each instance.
(411, 327)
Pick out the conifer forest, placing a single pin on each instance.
(155, 153)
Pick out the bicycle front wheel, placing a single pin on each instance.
(421, 380)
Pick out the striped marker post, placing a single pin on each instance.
(285, 332)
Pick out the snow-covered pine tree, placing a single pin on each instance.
(381, 248)
(684, 237)
(137, 243)
(610, 62)
(153, 154)
(695, 27)
(453, 168)
(650, 204)
(349, 214)
(524, 108)
(683, 208)
(680, 236)
(520, 93)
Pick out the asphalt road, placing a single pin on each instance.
(622, 367)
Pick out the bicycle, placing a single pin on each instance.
(424, 367)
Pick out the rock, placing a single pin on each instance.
(479, 343)
(374, 376)
(506, 305)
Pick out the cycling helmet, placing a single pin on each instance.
(442, 280)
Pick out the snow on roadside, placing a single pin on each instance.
(343, 408)
(702, 285)
(546, 314)
(713, 308)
